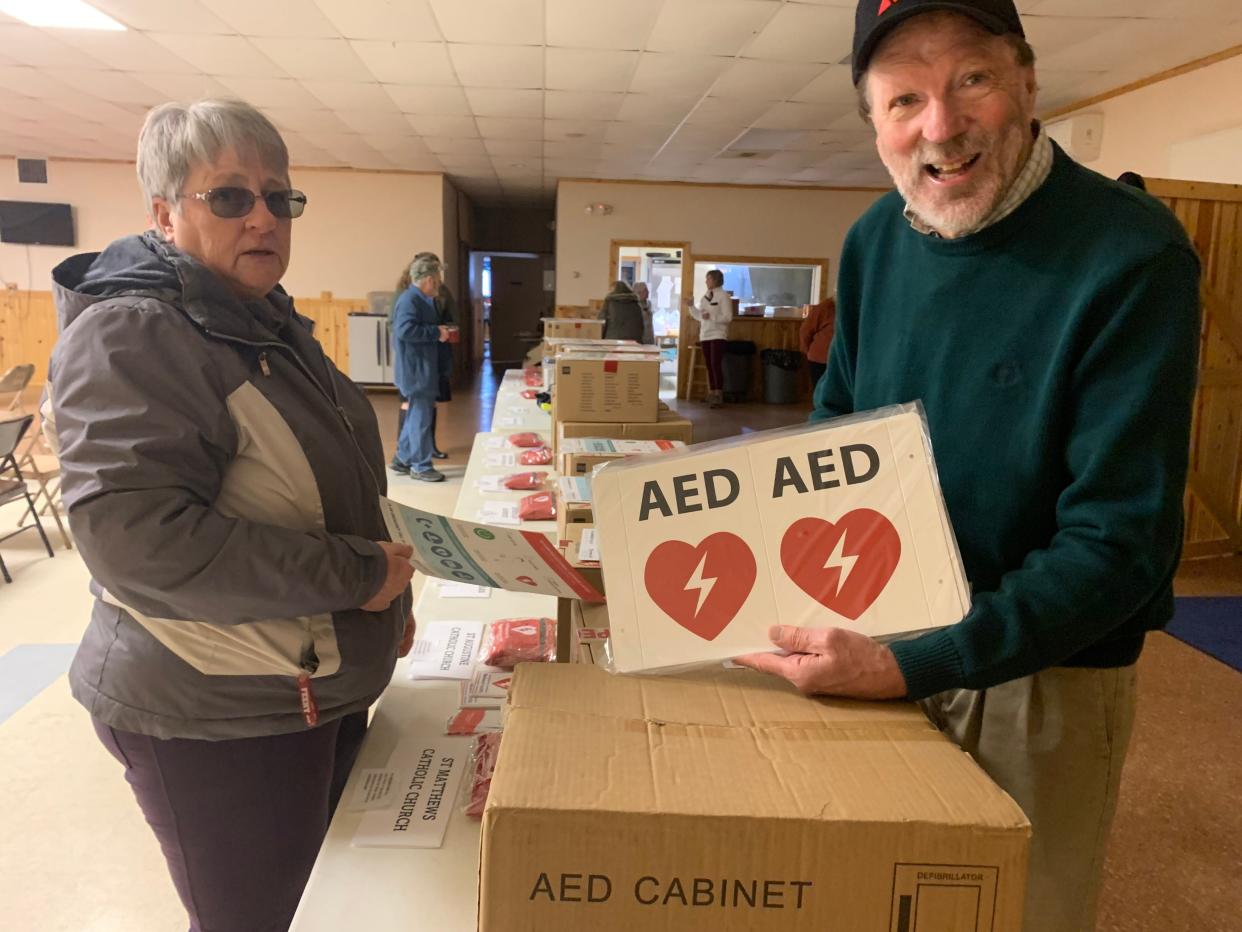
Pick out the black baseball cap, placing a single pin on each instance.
(874, 19)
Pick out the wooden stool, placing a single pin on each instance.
(696, 369)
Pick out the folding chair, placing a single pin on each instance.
(14, 382)
(13, 486)
(39, 464)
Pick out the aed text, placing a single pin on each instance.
(721, 893)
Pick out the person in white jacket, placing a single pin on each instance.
(713, 312)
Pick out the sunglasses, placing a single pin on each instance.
(231, 203)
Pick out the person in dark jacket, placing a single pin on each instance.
(222, 479)
(416, 331)
(622, 314)
(446, 316)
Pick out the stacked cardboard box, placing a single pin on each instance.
(581, 327)
(579, 456)
(727, 801)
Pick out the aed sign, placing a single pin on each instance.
(834, 524)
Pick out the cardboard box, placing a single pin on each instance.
(573, 504)
(729, 802)
(608, 387)
(839, 523)
(589, 634)
(557, 346)
(668, 426)
(578, 456)
(581, 327)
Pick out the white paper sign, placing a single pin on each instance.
(485, 555)
(445, 650)
(495, 443)
(412, 805)
(588, 549)
(835, 524)
(452, 590)
(510, 421)
(486, 690)
(505, 459)
(492, 484)
(501, 513)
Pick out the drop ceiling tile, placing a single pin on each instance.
(509, 128)
(220, 56)
(184, 16)
(32, 82)
(1115, 8)
(805, 33)
(712, 138)
(437, 101)
(573, 149)
(300, 19)
(601, 24)
(454, 162)
(639, 134)
(27, 45)
(371, 122)
(429, 124)
(111, 85)
(391, 20)
(505, 102)
(115, 117)
(271, 92)
(678, 74)
(491, 22)
(183, 87)
(714, 27)
(847, 122)
(317, 59)
(574, 129)
(801, 116)
(508, 66)
(508, 148)
(415, 163)
(465, 146)
(1050, 34)
(765, 80)
(351, 95)
(124, 51)
(590, 70)
(834, 85)
(306, 122)
(654, 108)
(407, 62)
(730, 110)
(578, 105)
(389, 142)
(1126, 42)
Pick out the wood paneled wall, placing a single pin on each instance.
(28, 328)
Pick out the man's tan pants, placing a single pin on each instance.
(1055, 742)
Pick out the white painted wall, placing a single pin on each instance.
(1187, 128)
(358, 231)
(727, 221)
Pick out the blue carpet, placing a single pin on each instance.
(1213, 625)
(27, 670)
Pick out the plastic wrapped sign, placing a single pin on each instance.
(839, 523)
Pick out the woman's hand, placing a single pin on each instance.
(444, 333)
(407, 636)
(396, 577)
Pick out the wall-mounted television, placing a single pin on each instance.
(36, 224)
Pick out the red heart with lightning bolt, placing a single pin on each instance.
(842, 566)
(701, 588)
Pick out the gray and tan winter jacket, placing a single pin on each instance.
(222, 479)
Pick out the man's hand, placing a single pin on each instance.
(407, 636)
(444, 333)
(831, 662)
(396, 578)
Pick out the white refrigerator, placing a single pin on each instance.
(370, 348)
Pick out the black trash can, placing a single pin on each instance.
(739, 356)
(780, 376)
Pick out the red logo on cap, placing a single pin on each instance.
(885, 4)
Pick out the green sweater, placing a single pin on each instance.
(1055, 353)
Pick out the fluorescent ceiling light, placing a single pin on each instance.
(61, 14)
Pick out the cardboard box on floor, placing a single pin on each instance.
(608, 387)
(727, 801)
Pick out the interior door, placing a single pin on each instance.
(518, 302)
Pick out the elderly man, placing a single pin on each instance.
(1048, 319)
(644, 304)
(416, 331)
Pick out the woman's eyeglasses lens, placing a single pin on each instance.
(230, 203)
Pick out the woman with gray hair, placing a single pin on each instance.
(222, 479)
(416, 333)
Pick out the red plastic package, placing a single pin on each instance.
(536, 456)
(526, 440)
(530, 393)
(525, 481)
(538, 507)
(511, 641)
(486, 751)
(533, 377)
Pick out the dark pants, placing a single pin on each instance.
(713, 356)
(240, 822)
(817, 370)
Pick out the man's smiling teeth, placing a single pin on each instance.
(951, 168)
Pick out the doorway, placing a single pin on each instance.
(512, 298)
(663, 266)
